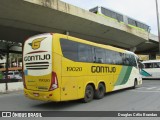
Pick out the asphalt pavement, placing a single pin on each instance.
(144, 98)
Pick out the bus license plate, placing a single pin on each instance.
(36, 94)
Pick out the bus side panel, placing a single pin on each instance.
(71, 81)
(127, 77)
(107, 80)
(90, 79)
(75, 77)
(57, 69)
(109, 76)
(57, 63)
(69, 88)
(153, 71)
(73, 88)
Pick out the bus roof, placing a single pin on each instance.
(151, 61)
(97, 44)
(87, 42)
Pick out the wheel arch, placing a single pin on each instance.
(103, 82)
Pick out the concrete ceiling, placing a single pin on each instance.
(20, 19)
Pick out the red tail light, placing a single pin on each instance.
(54, 82)
(24, 84)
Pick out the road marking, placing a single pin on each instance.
(140, 88)
(145, 91)
(151, 88)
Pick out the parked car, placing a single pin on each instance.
(13, 75)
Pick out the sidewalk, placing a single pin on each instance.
(14, 86)
(10, 92)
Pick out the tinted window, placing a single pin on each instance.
(109, 56)
(126, 59)
(10, 73)
(132, 61)
(113, 57)
(69, 49)
(16, 73)
(76, 51)
(148, 65)
(118, 59)
(129, 60)
(85, 53)
(100, 55)
(156, 65)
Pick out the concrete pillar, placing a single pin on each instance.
(152, 56)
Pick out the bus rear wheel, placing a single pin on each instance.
(89, 94)
(99, 93)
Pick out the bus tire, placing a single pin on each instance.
(135, 84)
(89, 94)
(99, 93)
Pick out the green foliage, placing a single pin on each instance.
(1, 75)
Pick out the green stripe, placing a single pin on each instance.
(122, 22)
(124, 75)
(121, 75)
(107, 17)
(127, 75)
(137, 28)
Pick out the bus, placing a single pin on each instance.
(60, 67)
(153, 68)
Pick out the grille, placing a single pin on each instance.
(37, 65)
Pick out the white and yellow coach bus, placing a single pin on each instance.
(60, 68)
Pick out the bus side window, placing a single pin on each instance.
(133, 61)
(126, 60)
(129, 60)
(108, 56)
(118, 58)
(148, 65)
(100, 55)
(69, 49)
(156, 65)
(84, 53)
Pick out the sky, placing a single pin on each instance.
(141, 10)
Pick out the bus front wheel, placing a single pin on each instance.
(135, 84)
(99, 93)
(89, 94)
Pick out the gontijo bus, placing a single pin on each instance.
(60, 68)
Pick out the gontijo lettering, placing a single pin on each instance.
(37, 57)
(103, 69)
